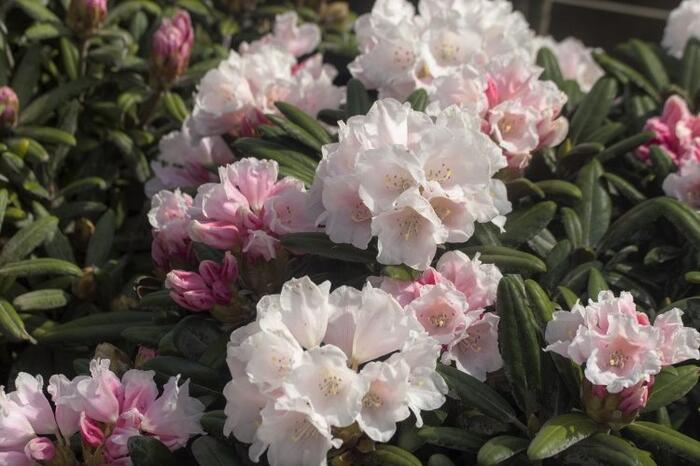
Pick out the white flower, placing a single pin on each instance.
(575, 60)
(476, 351)
(678, 343)
(683, 23)
(441, 310)
(332, 389)
(684, 185)
(385, 403)
(244, 402)
(305, 310)
(411, 181)
(287, 34)
(293, 436)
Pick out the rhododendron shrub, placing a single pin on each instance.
(287, 233)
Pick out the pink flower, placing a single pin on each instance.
(476, 280)
(678, 343)
(202, 291)
(86, 16)
(475, 351)
(171, 48)
(684, 185)
(9, 107)
(110, 411)
(617, 409)
(40, 449)
(677, 131)
(441, 310)
(169, 218)
(248, 209)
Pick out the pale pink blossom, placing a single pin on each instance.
(441, 310)
(288, 34)
(169, 219)
(405, 178)
(678, 343)
(575, 60)
(476, 280)
(185, 163)
(683, 24)
(684, 185)
(249, 208)
(676, 131)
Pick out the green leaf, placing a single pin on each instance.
(40, 266)
(479, 395)
(46, 135)
(213, 422)
(572, 226)
(104, 326)
(608, 449)
(661, 162)
(44, 31)
(520, 345)
(652, 66)
(625, 146)
(42, 107)
(209, 451)
(100, 244)
(59, 247)
(595, 208)
(69, 56)
(129, 8)
(11, 325)
(451, 437)
(508, 260)
(304, 121)
(319, 244)
(149, 451)
(607, 132)
(592, 110)
(389, 455)
(175, 106)
(640, 216)
(671, 385)
(559, 433)
(438, 459)
(4, 198)
(27, 239)
(626, 189)
(524, 225)
(82, 185)
(286, 157)
(690, 67)
(418, 100)
(665, 439)
(499, 449)
(522, 187)
(547, 60)
(41, 300)
(37, 11)
(626, 74)
(578, 156)
(193, 335)
(199, 373)
(357, 102)
(692, 277)
(27, 75)
(560, 190)
(569, 297)
(542, 306)
(296, 132)
(596, 283)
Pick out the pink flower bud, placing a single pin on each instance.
(9, 107)
(91, 431)
(189, 290)
(40, 449)
(144, 355)
(615, 409)
(219, 277)
(171, 48)
(86, 16)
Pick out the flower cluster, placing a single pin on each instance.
(475, 54)
(183, 162)
(575, 60)
(683, 23)
(202, 291)
(449, 302)
(234, 97)
(105, 410)
(169, 219)
(314, 361)
(617, 344)
(249, 208)
(411, 181)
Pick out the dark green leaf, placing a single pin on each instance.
(671, 385)
(559, 433)
(499, 449)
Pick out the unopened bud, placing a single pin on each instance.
(144, 355)
(40, 449)
(171, 48)
(86, 16)
(85, 288)
(615, 409)
(9, 107)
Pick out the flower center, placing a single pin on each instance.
(397, 182)
(360, 212)
(403, 57)
(302, 430)
(330, 385)
(471, 343)
(617, 359)
(281, 364)
(409, 226)
(372, 400)
(439, 320)
(441, 175)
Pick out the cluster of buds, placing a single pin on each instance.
(86, 16)
(9, 107)
(171, 48)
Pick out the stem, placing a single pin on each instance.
(150, 107)
(82, 56)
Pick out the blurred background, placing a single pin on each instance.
(600, 23)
